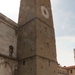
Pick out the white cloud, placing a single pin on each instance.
(65, 58)
(10, 8)
(67, 38)
(64, 25)
(9, 5)
(67, 16)
(65, 48)
(54, 2)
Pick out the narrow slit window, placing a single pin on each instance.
(71, 71)
(49, 63)
(41, 48)
(23, 62)
(48, 45)
(54, 71)
(41, 67)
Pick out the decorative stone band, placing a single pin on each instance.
(8, 57)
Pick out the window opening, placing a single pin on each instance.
(42, 67)
(41, 48)
(71, 71)
(49, 62)
(23, 62)
(48, 45)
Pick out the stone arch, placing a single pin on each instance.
(5, 69)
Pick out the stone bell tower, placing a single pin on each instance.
(36, 39)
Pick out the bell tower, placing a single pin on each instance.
(36, 39)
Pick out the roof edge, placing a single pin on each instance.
(8, 21)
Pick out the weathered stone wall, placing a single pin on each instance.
(44, 12)
(36, 39)
(28, 11)
(45, 41)
(27, 66)
(8, 66)
(8, 36)
(46, 66)
(33, 9)
(27, 40)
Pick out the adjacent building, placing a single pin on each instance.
(71, 70)
(62, 70)
(8, 46)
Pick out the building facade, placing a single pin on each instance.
(71, 70)
(28, 48)
(8, 42)
(62, 70)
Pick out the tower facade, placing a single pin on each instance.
(36, 39)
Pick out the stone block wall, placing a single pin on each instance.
(8, 66)
(8, 36)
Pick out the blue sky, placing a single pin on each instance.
(64, 24)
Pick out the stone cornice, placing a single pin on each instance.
(8, 57)
(8, 21)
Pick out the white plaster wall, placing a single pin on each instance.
(7, 38)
